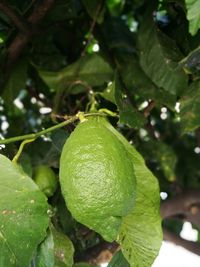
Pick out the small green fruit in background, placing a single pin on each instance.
(46, 179)
(97, 176)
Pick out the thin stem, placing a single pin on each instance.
(148, 109)
(108, 112)
(92, 28)
(36, 135)
(16, 157)
(68, 121)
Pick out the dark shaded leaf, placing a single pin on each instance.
(62, 10)
(118, 35)
(159, 57)
(129, 115)
(140, 84)
(190, 108)
(92, 70)
(56, 251)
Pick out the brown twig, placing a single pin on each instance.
(14, 16)
(148, 109)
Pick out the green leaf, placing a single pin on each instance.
(95, 10)
(92, 70)
(16, 82)
(115, 6)
(129, 115)
(109, 93)
(159, 57)
(193, 15)
(56, 251)
(141, 234)
(63, 249)
(139, 83)
(23, 215)
(118, 260)
(45, 255)
(190, 108)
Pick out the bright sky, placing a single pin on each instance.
(175, 256)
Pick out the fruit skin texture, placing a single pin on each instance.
(97, 177)
(46, 179)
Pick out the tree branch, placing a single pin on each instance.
(14, 16)
(21, 40)
(40, 10)
(186, 205)
(189, 245)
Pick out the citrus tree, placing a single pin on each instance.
(100, 137)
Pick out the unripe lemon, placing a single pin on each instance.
(46, 179)
(97, 177)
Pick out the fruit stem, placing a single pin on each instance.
(81, 116)
(92, 104)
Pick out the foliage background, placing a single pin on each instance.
(138, 58)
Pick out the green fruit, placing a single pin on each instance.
(97, 176)
(46, 179)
